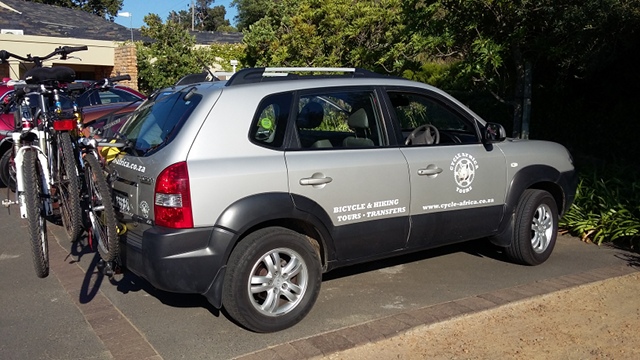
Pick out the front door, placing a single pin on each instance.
(457, 183)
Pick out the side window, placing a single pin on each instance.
(339, 119)
(269, 124)
(418, 114)
(114, 96)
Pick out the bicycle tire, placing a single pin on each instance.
(33, 182)
(68, 186)
(101, 215)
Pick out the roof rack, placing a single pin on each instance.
(263, 74)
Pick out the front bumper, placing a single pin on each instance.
(179, 260)
(568, 181)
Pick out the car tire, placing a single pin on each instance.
(535, 228)
(7, 171)
(266, 298)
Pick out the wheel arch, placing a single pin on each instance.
(541, 177)
(278, 209)
(259, 211)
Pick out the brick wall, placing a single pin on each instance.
(125, 62)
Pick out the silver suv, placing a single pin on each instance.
(246, 191)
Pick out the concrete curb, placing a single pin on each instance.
(317, 346)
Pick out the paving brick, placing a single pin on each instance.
(108, 314)
(408, 319)
(597, 274)
(509, 295)
(493, 298)
(558, 283)
(424, 314)
(355, 334)
(476, 303)
(614, 271)
(287, 352)
(108, 322)
(388, 326)
(306, 348)
(97, 304)
(118, 335)
(448, 310)
(531, 290)
(133, 351)
(266, 354)
(329, 343)
(571, 280)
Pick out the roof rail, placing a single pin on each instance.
(263, 74)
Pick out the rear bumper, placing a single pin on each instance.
(182, 261)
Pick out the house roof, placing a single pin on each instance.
(55, 21)
(214, 37)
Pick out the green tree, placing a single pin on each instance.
(172, 54)
(102, 8)
(203, 16)
(498, 45)
(250, 11)
(328, 33)
(168, 58)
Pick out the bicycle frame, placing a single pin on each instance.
(41, 136)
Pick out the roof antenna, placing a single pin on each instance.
(206, 68)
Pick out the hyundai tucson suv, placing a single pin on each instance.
(246, 191)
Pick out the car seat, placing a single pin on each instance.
(359, 123)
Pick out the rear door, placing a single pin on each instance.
(342, 170)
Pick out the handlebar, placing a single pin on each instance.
(126, 77)
(63, 51)
(108, 82)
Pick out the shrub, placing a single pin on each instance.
(605, 209)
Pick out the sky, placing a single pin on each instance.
(140, 8)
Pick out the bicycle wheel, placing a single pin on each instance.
(102, 216)
(68, 186)
(33, 182)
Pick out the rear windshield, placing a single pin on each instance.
(158, 120)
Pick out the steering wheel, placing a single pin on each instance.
(423, 134)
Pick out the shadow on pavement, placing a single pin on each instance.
(479, 248)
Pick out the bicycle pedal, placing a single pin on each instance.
(6, 203)
(105, 268)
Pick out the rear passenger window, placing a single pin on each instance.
(269, 124)
(339, 119)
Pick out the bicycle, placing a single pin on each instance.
(102, 224)
(43, 153)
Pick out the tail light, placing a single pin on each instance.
(172, 205)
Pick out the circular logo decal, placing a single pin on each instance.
(144, 209)
(464, 168)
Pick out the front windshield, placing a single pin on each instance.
(157, 120)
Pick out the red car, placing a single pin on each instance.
(107, 106)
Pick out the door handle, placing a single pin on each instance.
(430, 171)
(314, 181)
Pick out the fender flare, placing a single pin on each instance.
(256, 209)
(524, 179)
(249, 212)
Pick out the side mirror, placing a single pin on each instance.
(494, 132)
